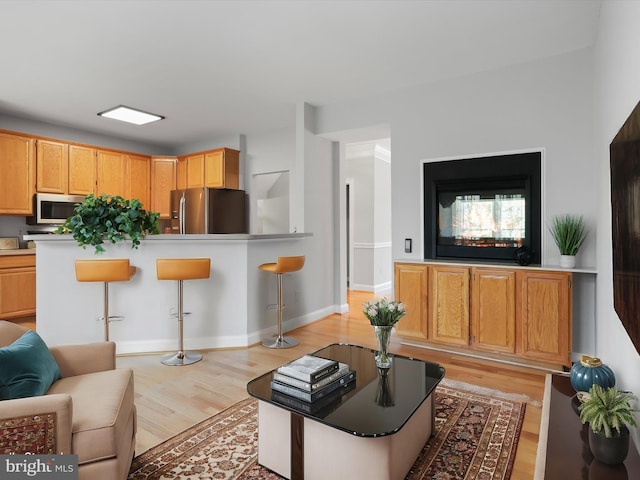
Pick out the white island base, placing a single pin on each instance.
(227, 310)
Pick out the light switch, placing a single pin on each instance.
(407, 245)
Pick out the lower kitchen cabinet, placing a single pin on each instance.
(17, 286)
(523, 313)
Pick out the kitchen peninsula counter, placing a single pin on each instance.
(227, 310)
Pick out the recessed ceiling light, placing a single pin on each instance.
(130, 115)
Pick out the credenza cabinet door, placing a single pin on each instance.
(546, 311)
(82, 170)
(163, 180)
(449, 305)
(493, 310)
(17, 180)
(411, 289)
(52, 167)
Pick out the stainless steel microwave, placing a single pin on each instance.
(52, 208)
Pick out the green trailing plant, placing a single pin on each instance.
(569, 233)
(607, 409)
(109, 218)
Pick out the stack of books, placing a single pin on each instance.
(310, 383)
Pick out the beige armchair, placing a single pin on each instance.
(89, 411)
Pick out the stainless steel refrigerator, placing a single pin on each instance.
(208, 210)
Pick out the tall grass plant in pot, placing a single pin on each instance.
(569, 232)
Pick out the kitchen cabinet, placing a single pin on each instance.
(112, 174)
(217, 168)
(163, 180)
(181, 173)
(52, 167)
(515, 312)
(17, 174)
(449, 305)
(546, 311)
(493, 309)
(17, 286)
(411, 286)
(139, 172)
(82, 170)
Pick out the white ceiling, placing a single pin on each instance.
(214, 68)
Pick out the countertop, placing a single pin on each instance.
(173, 237)
(478, 263)
(18, 251)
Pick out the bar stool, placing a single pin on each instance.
(182, 269)
(105, 270)
(282, 266)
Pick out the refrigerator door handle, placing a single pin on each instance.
(181, 214)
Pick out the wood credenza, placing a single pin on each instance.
(493, 310)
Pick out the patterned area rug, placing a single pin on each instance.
(475, 438)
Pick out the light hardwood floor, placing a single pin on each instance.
(170, 399)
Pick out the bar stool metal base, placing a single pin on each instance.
(181, 358)
(280, 342)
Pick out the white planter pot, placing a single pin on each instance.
(567, 261)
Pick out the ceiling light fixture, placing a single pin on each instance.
(130, 115)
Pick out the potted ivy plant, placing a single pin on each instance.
(569, 232)
(109, 218)
(608, 412)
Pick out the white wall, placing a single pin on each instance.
(617, 91)
(543, 104)
(369, 171)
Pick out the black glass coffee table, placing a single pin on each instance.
(374, 429)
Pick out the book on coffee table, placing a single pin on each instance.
(316, 395)
(311, 386)
(321, 407)
(309, 368)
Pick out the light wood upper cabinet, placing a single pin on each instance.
(17, 286)
(82, 170)
(449, 305)
(219, 168)
(181, 173)
(222, 168)
(112, 174)
(52, 167)
(163, 180)
(195, 170)
(411, 289)
(17, 175)
(546, 311)
(139, 168)
(493, 309)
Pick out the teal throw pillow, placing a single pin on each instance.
(27, 368)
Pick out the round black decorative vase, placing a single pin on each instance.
(524, 256)
(611, 451)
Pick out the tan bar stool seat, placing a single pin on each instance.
(282, 266)
(106, 271)
(182, 269)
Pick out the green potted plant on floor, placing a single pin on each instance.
(608, 412)
(569, 233)
(109, 218)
